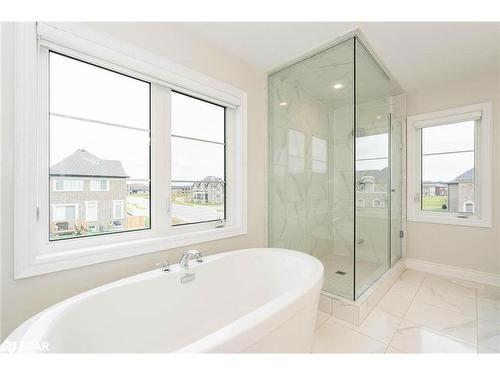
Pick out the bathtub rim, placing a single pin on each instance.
(35, 328)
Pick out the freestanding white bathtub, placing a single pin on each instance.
(255, 300)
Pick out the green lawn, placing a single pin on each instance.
(434, 203)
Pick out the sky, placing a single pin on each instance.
(81, 90)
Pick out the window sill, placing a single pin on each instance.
(449, 220)
(59, 261)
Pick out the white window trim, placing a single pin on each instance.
(483, 166)
(122, 204)
(35, 255)
(98, 180)
(54, 206)
(87, 203)
(54, 186)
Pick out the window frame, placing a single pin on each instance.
(482, 165)
(98, 181)
(121, 203)
(96, 205)
(35, 255)
(62, 178)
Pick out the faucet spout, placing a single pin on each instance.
(188, 255)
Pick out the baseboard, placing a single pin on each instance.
(454, 272)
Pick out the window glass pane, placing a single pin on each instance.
(195, 160)
(372, 146)
(97, 162)
(448, 182)
(448, 138)
(84, 90)
(199, 201)
(198, 186)
(196, 118)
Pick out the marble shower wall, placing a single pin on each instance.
(301, 191)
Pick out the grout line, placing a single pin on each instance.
(407, 309)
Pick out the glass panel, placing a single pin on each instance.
(199, 201)
(95, 161)
(196, 118)
(198, 166)
(448, 138)
(84, 90)
(196, 160)
(311, 199)
(372, 222)
(397, 189)
(448, 182)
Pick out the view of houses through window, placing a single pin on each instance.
(448, 168)
(99, 150)
(198, 160)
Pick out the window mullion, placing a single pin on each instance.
(160, 158)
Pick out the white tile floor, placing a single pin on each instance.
(421, 313)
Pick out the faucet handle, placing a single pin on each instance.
(165, 266)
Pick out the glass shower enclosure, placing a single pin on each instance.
(330, 165)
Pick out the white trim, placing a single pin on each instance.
(453, 272)
(96, 205)
(32, 254)
(98, 181)
(54, 183)
(76, 205)
(446, 117)
(483, 167)
(116, 203)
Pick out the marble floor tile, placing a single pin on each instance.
(413, 338)
(321, 317)
(413, 277)
(489, 334)
(392, 350)
(380, 325)
(488, 309)
(395, 303)
(448, 322)
(447, 299)
(448, 285)
(333, 337)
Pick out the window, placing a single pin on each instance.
(118, 210)
(143, 155)
(91, 211)
(89, 108)
(64, 212)
(99, 185)
(198, 160)
(65, 184)
(450, 177)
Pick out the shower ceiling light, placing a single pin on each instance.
(283, 104)
(338, 86)
(378, 117)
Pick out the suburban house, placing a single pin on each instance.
(461, 192)
(87, 194)
(209, 190)
(371, 189)
(434, 189)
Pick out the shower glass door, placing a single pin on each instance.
(372, 171)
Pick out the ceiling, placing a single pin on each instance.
(417, 54)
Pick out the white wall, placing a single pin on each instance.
(467, 247)
(24, 298)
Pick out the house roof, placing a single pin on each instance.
(83, 163)
(464, 177)
(382, 174)
(209, 180)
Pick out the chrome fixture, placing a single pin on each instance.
(188, 255)
(165, 266)
(220, 223)
(188, 277)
